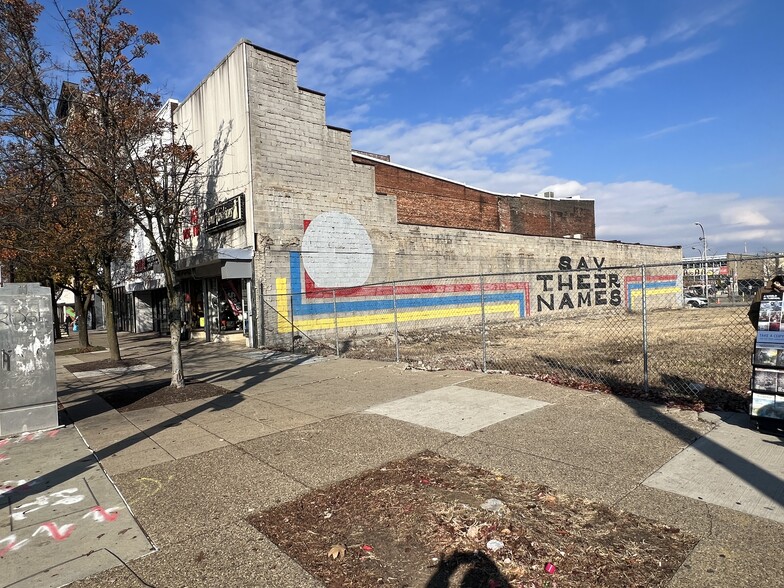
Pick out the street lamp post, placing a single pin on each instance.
(704, 261)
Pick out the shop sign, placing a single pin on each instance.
(144, 265)
(227, 214)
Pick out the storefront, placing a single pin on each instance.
(217, 295)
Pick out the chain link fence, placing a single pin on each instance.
(644, 331)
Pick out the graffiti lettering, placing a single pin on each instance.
(566, 291)
(100, 514)
(11, 485)
(55, 532)
(65, 497)
(565, 263)
(11, 544)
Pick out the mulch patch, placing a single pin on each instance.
(427, 521)
(159, 393)
(90, 366)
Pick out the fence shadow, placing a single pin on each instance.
(755, 476)
(674, 389)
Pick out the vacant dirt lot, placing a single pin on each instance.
(695, 357)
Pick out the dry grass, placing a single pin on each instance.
(698, 358)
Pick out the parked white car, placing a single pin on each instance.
(695, 301)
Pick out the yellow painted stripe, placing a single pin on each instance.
(654, 292)
(403, 317)
(282, 303)
(281, 288)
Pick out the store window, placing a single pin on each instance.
(231, 307)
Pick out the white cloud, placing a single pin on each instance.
(680, 127)
(614, 54)
(626, 74)
(533, 41)
(341, 46)
(685, 28)
(536, 87)
(355, 56)
(464, 142)
(504, 154)
(744, 216)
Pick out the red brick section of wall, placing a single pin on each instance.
(429, 201)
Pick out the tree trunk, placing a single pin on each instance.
(55, 316)
(113, 342)
(81, 319)
(111, 326)
(175, 330)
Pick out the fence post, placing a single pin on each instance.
(644, 331)
(394, 311)
(291, 305)
(484, 334)
(335, 314)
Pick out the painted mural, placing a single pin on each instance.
(325, 286)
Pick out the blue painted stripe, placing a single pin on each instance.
(637, 285)
(302, 308)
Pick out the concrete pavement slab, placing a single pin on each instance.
(330, 398)
(201, 493)
(338, 448)
(732, 466)
(118, 371)
(234, 555)
(235, 428)
(521, 386)
(577, 480)
(741, 551)
(277, 417)
(141, 457)
(587, 430)
(59, 507)
(455, 409)
(181, 444)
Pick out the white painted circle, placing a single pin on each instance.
(336, 251)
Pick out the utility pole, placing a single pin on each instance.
(704, 261)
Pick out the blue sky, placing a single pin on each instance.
(664, 112)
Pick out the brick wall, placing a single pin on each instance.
(430, 201)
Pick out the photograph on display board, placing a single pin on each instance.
(775, 321)
(762, 404)
(770, 313)
(780, 358)
(770, 410)
(766, 380)
(765, 356)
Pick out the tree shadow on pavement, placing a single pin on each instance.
(92, 406)
(765, 482)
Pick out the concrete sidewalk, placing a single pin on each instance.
(192, 472)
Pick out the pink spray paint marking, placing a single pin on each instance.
(101, 514)
(55, 532)
(12, 544)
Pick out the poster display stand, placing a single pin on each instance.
(767, 376)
